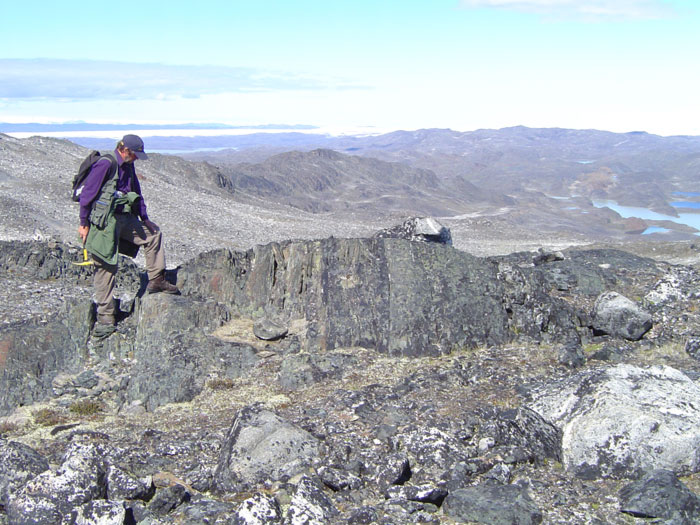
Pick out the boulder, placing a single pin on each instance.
(493, 504)
(616, 315)
(624, 421)
(310, 505)
(53, 495)
(257, 510)
(262, 446)
(18, 464)
(660, 494)
(422, 229)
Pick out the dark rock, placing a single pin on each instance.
(205, 512)
(544, 257)
(262, 446)
(175, 354)
(269, 329)
(168, 498)
(19, 463)
(257, 510)
(362, 516)
(310, 504)
(528, 431)
(422, 229)
(660, 494)
(493, 504)
(336, 479)
(692, 347)
(572, 355)
(616, 315)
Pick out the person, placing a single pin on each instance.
(124, 222)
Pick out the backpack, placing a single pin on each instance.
(85, 168)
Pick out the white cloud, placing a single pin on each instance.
(591, 9)
(86, 80)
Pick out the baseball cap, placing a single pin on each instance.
(135, 144)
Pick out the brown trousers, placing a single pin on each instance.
(131, 229)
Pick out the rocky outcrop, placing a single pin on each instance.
(624, 421)
(423, 229)
(400, 297)
(660, 494)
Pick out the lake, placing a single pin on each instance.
(690, 219)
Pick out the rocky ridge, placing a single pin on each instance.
(410, 383)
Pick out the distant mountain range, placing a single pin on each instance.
(36, 127)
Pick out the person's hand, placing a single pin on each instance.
(83, 232)
(152, 226)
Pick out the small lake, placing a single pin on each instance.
(690, 219)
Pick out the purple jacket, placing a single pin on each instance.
(126, 182)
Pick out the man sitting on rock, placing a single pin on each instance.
(113, 215)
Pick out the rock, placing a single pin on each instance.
(660, 494)
(422, 229)
(51, 496)
(615, 315)
(544, 257)
(262, 446)
(269, 329)
(337, 479)
(393, 469)
(19, 463)
(305, 369)
(526, 430)
(175, 354)
(203, 511)
(572, 355)
(422, 493)
(123, 486)
(99, 512)
(623, 421)
(493, 504)
(168, 498)
(257, 510)
(310, 505)
(692, 347)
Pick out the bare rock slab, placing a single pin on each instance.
(623, 421)
(262, 446)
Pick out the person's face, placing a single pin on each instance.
(128, 155)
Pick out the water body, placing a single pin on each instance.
(686, 204)
(686, 193)
(690, 219)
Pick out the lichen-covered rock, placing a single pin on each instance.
(51, 496)
(310, 505)
(18, 464)
(122, 486)
(625, 420)
(257, 510)
(99, 512)
(261, 446)
(423, 229)
(618, 316)
(493, 504)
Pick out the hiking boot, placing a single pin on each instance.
(159, 284)
(103, 330)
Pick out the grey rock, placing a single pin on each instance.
(618, 316)
(19, 463)
(123, 486)
(625, 420)
(422, 493)
(393, 469)
(310, 505)
(269, 329)
(493, 504)
(51, 496)
(337, 479)
(692, 347)
(201, 511)
(572, 355)
(305, 369)
(257, 510)
(422, 229)
(175, 353)
(99, 512)
(168, 498)
(261, 446)
(660, 494)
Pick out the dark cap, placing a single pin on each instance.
(135, 144)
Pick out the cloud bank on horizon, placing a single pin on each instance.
(619, 65)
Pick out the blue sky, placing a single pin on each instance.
(618, 65)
